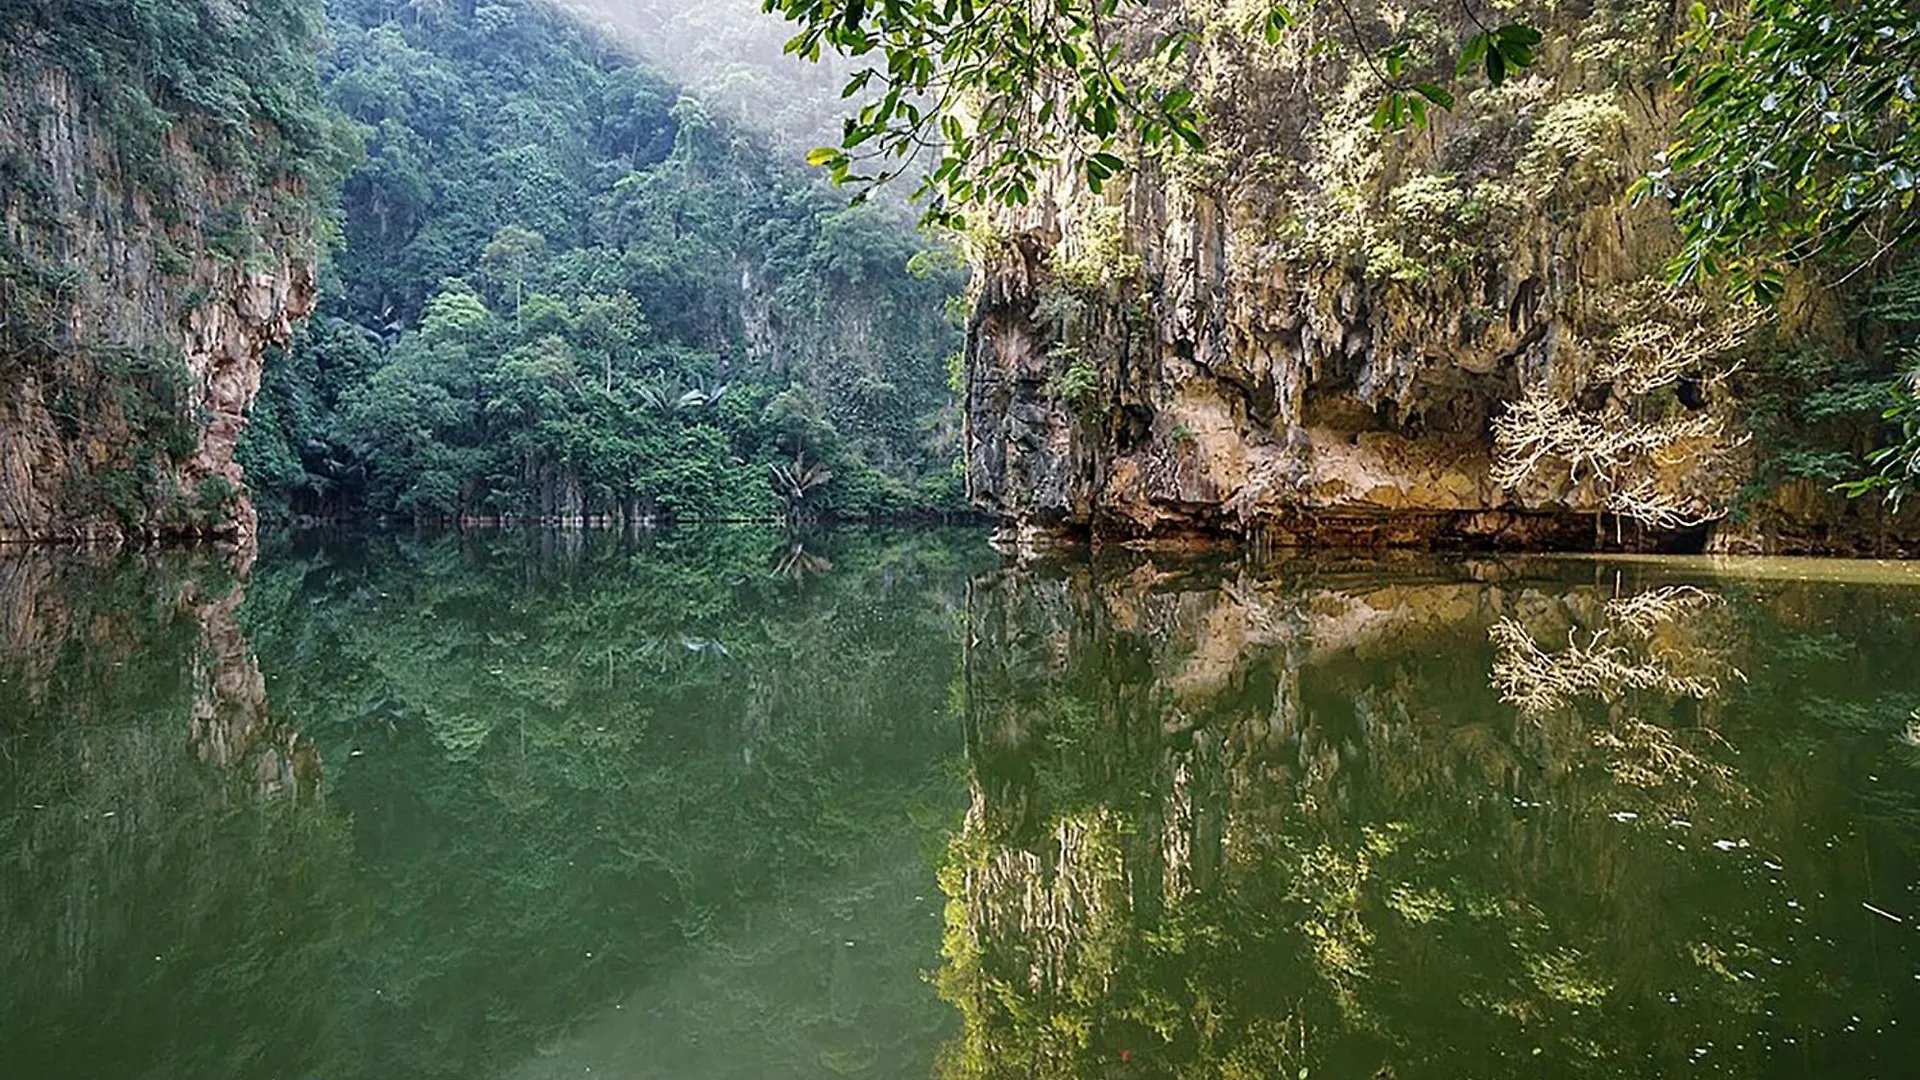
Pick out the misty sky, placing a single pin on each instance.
(727, 54)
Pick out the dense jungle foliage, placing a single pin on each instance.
(561, 288)
(242, 75)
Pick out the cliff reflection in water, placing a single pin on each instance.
(89, 642)
(164, 858)
(557, 805)
(1434, 820)
(649, 806)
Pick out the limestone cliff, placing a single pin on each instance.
(1308, 333)
(150, 253)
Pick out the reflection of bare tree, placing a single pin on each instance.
(1643, 612)
(1645, 755)
(1660, 642)
(1537, 682)
(1625, 654)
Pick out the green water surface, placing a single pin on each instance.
(729, 803)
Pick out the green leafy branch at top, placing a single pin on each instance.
(1799, 148)
(1497, 50)
(984, 96)
(1799, 144)
(981, 99)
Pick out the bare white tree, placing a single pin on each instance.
(1635, 444)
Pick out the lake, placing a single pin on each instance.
(719, 803)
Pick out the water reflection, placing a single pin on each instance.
(1441, 820)
(153, 815)
(724, 803)
(507, 805)
(73, 625)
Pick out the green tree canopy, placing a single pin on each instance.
(567, 289)
(983, 98)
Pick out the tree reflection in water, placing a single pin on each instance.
(1468, 819)
(625, 802)
(527, 805)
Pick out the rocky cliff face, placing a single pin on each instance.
(142, 279)
(1309, 333)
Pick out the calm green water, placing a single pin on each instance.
(714, 805)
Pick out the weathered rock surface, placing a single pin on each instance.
(135, 325)
(1303, 338)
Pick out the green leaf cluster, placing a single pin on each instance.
(982, 101)
(1799, 145)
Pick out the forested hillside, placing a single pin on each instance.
(559, 288)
